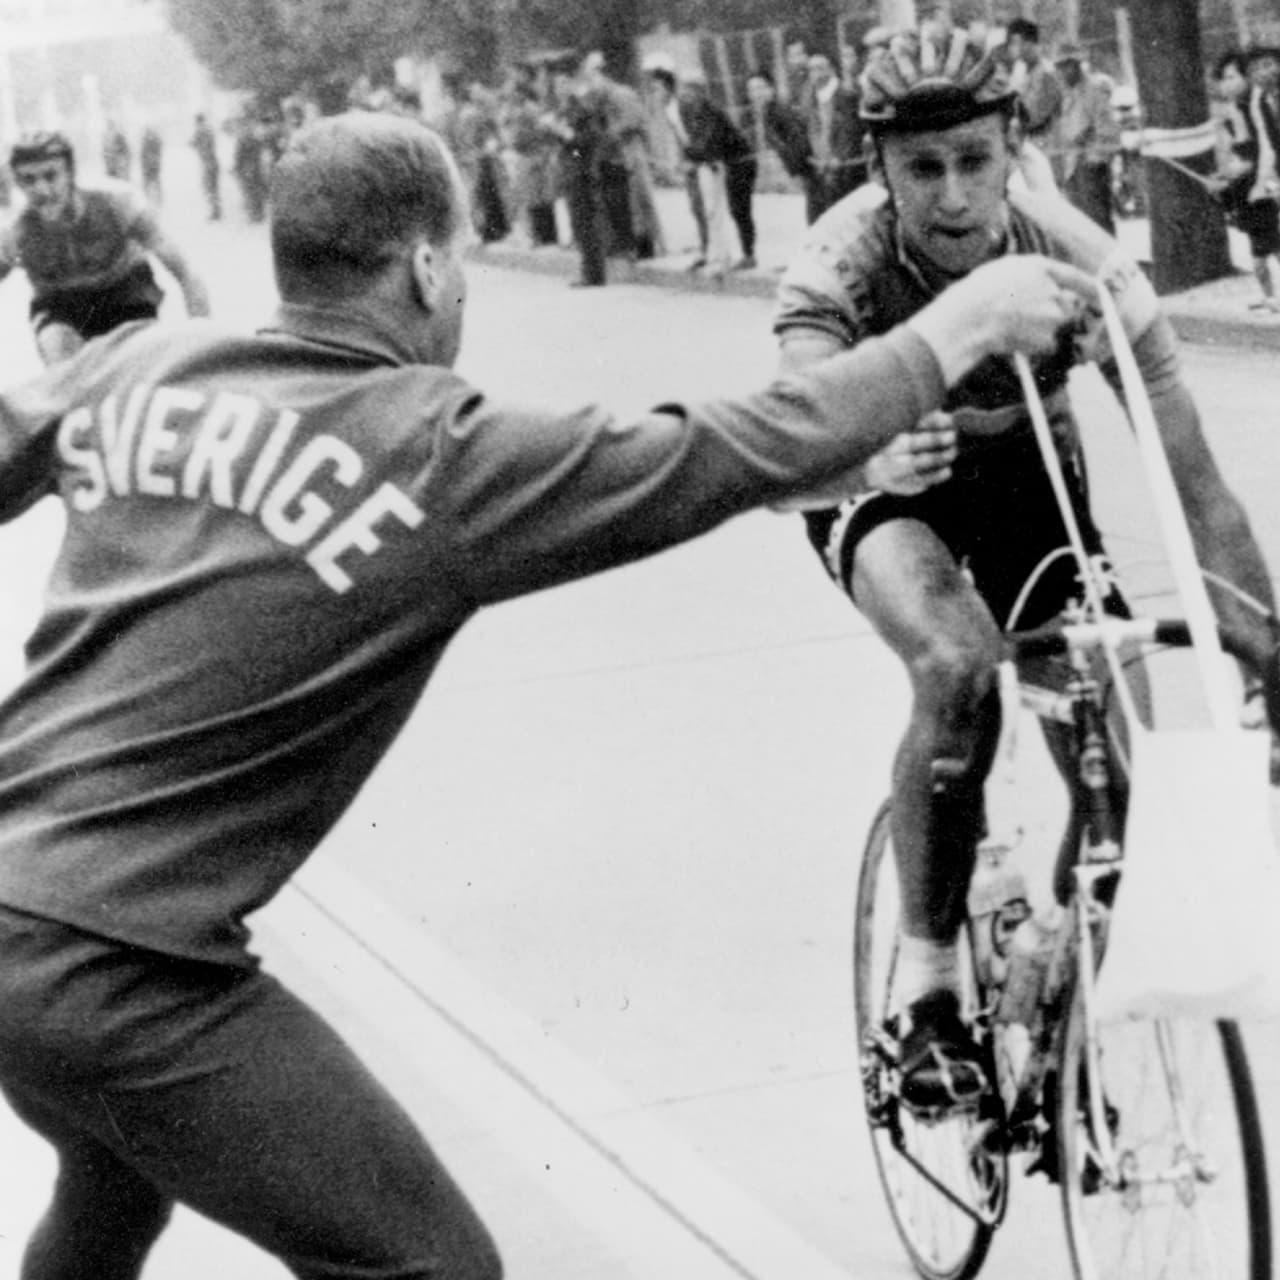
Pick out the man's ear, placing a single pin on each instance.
(427, 275)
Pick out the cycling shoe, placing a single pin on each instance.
(941, 1065)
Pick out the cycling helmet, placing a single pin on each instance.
(933, 78)
(32, 148)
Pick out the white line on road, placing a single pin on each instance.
(656, 1204)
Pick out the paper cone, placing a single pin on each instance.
(1193, 933)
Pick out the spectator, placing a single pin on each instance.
(849, 68)
(483, 141)
(797, 83)
(782, 128)
(534, 144)
(117, 155)
(1088, 137)
(1263, 65)
(205, 142)
(151, 162)
(249, 163)
(1033, 76)
(726, 168)
(1237, 173)
(836, 136)
(626, 170)
(663, 80)
(877, 38)
(583, 131)
(405, 101)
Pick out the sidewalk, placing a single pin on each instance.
(1215, 313)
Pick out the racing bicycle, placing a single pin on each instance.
(1150, 1128)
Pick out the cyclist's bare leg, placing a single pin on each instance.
(909, 587)
(57, 341)
(1052, 673)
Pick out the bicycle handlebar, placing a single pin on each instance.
(1058, 637)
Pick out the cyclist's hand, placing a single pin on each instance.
(915, 460)
(1018, 302)
(1254, 716)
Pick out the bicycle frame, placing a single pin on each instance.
(1074, 961)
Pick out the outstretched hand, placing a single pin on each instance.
(1018, 302)
(1254, 716)
(915, 460)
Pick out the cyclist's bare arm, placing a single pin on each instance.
(175, 262)
(1224, 541)
(1011, 304)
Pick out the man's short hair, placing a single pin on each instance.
(1024, 28)
(351, 193)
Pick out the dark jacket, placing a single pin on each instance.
(713, 137)
(786, 132)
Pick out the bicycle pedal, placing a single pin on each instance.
(936, 1115)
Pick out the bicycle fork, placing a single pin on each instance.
(1188, 1165)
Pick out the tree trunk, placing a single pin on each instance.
(1188, 234)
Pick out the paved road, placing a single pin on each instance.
(602, 887)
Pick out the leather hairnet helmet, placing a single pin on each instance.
(32, 148)
(934, 77)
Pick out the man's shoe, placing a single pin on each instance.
(942, 1069)
(745, 264)
(697, 264)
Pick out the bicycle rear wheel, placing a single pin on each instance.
(943, 1240)
(1188, 1199)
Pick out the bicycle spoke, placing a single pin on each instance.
(943, 1240)
(1188, 1157)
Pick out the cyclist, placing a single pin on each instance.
(85, 250)
(270, 541)
(949, 521)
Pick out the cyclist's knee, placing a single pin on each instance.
(955, 683)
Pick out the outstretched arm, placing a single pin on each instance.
(1225, 545)
(194, 293)
(152, 238)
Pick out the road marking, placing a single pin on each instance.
(655, 1203)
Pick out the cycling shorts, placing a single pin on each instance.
(997, 515)
(93, 312)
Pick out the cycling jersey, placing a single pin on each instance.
(855, 278)
(271, 540)
(89, 269)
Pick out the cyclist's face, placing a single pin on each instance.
(949, 190)
(1232, 85)
(47, 186)
(1264, 71)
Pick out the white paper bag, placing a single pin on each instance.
(1195, 926)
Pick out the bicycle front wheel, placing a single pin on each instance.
(943, 1182)
(1186, 1195)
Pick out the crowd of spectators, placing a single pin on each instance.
(563, 152)
(1246, 177)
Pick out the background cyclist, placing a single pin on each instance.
(952, 518)
(85, 251)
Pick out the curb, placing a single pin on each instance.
(1212, 330)
(1192, 322)
(666, 273)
